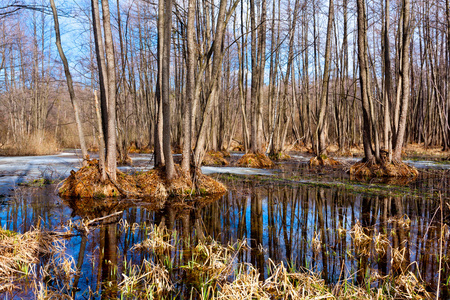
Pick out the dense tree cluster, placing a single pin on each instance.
(210, 75)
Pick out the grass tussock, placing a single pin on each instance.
(215, 158)
(19, 252)
(40, 143)
(323, 161)
(392, 169)
(148, 281)
(87, 183)
(20, 255)
(281, 284)
(280, 156)
(158, 240)
(255, 160)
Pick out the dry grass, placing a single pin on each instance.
(211, 270)
(246, 285)
(40, 143)
(323, 161)
(362, 240)
(157, 241)
(149, 280)
(255, 160)
(419, 150)
(369, 169)
(21, 253)
(86, 183)
(214, 158)
(280, 156)
(212, 263)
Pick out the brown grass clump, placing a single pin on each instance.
(86, 183)
(392, 169)
(149, 279)
(214, 158)
(154, 183)
(281, 284)
(211, 262)
(19, 254)
(324, 161)
(40, 143)
(158, 240)
(246, 285)
(361, 239)
(280, 156)
(137, 148)
(206, 185)
(255, 160)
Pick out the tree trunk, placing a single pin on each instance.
(364, 80)
(165, 89)
(69, 84)
(387, 83)
(320, 130)
(101, 65)
(406, 40)
(111, 147)
(190, 85)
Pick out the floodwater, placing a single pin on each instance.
(289, 214)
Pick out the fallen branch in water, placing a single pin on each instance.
(84, 224)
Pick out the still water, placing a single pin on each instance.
(290, 214)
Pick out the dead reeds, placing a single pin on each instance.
(21, 253)
(158, 240)
(150, 279)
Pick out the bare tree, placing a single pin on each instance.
(69, 80)
(190, 85)
(164, 33)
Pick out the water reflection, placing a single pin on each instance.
(306, 226)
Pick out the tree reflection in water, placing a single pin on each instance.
(281, 223)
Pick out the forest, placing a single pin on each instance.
(247, 75)
(224, 149)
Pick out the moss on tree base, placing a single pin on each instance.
(215, 158)
(323, 161)
(87, 183)
(392, 169)
(255, 160)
